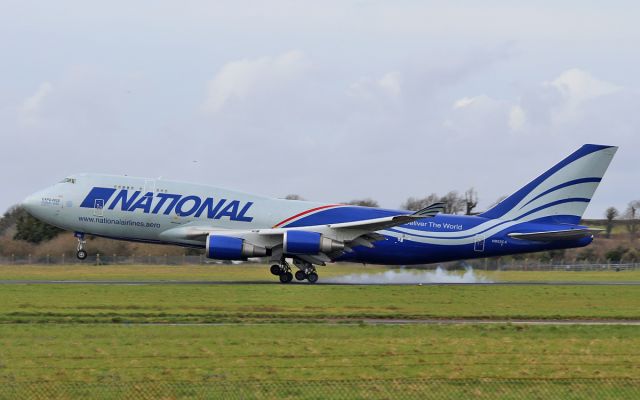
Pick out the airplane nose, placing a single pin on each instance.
(31, 203)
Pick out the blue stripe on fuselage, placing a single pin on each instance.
(97, 193)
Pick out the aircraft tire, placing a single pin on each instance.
(81, 254)
(300, 275)
(312, 277)
(276, 269)
(286, 277)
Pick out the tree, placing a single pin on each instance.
(368, 202)
(33, 230)
(611, 213)
(10, 218)
(453, 203)
(416, 203)
(293, 197)
(616, 254)
(631, 216)
(471, 200)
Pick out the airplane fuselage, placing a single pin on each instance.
(149, 210)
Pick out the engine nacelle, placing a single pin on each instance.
(304, 242)
(232, 248)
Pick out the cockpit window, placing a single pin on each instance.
(68, 180)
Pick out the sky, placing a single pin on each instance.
(331, 100)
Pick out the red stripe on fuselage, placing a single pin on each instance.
(304, 213)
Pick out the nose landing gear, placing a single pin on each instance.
(81, 253)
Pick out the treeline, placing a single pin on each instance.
(629, 219)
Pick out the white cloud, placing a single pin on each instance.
(576, 88)
(551, 104)
(30, 109)
(237, 80)
(517, 118)
(464, 102)
(389, 85)
(481, 102)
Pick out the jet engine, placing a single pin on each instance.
(232, 248)
(305, 242)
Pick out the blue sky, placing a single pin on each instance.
(332, 100)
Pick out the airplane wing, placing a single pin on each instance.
(377, 224)
(356, 233)
(550, 236)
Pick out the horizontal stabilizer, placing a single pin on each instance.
(550, 236)
(430, 211)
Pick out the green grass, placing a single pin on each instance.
(314, 352)
(308, 303)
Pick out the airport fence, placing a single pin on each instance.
(489, 388)
(488, 264)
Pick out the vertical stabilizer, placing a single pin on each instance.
(562, 194)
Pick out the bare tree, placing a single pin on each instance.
(453, 203)
(471, 200)
(368, 202)
(418, 203)
(611, 213)
(293, 197)
(631, 216)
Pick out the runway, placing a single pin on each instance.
(265, 282)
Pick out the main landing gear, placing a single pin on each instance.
(306, 271)
(283, 271)
(81, 254)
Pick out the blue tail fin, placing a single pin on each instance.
(562, 194)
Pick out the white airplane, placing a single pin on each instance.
(230, 225)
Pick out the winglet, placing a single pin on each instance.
(430, 211)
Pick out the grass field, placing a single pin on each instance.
(307, 303)
(314, 352)
(109, 334)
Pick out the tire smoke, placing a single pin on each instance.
(406, 276)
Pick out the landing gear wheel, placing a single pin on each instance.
(276, 269)
(81, 254)
(300, 275)
(286, 277)
(312, 277)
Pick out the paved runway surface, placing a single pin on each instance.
(443, 321)
(158, 282)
